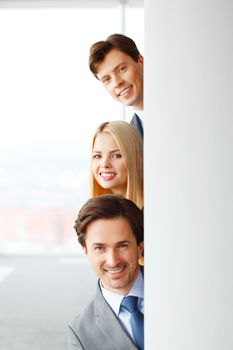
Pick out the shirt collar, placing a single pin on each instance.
(114, 299)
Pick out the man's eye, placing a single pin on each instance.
(105, 80)
(123, 245)
(122, 69)
(98, 248)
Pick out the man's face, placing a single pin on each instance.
(122, 77)
(112, 250)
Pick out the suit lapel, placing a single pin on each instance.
(137, 124)
(110, 326)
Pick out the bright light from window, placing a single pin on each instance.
(50, 106)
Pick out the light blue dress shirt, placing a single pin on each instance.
(114, 300)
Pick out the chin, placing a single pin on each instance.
(127, 103)
(106, 188)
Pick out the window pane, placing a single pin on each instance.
(50, 106)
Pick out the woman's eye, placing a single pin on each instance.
(96, 156)
(117, 155)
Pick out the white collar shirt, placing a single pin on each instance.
(141, 116)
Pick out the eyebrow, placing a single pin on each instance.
(125, 241)
(117, 243)
(113, 151)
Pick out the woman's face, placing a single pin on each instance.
(108, 166)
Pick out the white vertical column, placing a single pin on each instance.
(189, 174)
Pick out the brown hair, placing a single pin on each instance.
(99, 50)
(108, 207)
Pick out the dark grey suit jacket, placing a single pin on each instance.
(97, 328)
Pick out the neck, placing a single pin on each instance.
(119, 192)
(138, 107)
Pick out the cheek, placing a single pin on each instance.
(94, 166)
(109, 88)
(132, 258)
(122, 166)
(94, 262)
(124, 171)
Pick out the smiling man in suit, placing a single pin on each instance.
(118, 64)
(110, 231)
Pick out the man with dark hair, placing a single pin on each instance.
(118, 64)
(110, 231)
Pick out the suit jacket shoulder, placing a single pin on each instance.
(97, 328)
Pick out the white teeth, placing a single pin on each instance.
(124, 92)
(113, 271)
(107, 174)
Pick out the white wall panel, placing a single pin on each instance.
(188, 174)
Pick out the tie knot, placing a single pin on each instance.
(130, 303)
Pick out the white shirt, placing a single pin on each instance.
(114, 300)
(141, 115)
(130, 113)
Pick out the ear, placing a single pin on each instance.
(84, 250)
(141, 59)
(140, 249)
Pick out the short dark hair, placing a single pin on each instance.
(99, 50)
(109, 206)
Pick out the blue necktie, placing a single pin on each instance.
(136, 319)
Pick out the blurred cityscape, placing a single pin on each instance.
(41, 189)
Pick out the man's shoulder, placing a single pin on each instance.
(79, 336)
(95, 308)
(85, 332)
(97, 327)
(85, 317)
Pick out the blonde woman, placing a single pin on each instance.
(117, 161)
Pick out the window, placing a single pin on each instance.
(50, 107)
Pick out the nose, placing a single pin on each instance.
(105, 162)
(112, 258)
(117, 80)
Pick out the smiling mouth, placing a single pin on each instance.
(116, 270)
(124, 92)
(107, 175)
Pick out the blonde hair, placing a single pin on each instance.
(130, 146)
